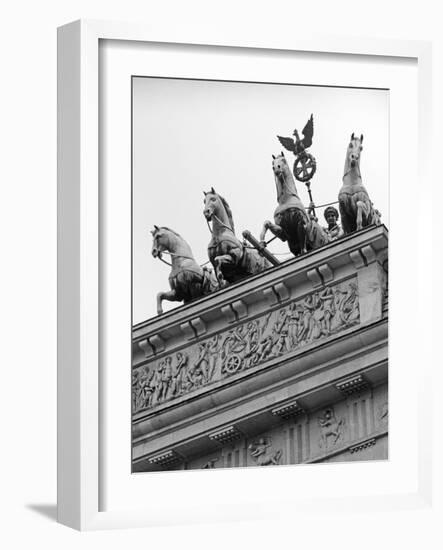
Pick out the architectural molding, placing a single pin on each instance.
(342, 449)
(222, 381)
(352, 385)
(363, 445)
(167, 458)
(291, 273)
(157, 343)
(226, 435)
(288, 410)
(312, 318)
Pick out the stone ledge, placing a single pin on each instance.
(254, 407)
(284, 278)
(311, 354)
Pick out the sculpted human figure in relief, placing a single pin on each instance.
(263, 454)
(316, 315)
(331, 428)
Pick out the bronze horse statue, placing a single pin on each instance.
(292, 222)
(232, 259)
(356, 209)
(187, 279)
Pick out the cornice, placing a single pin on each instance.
(335, 348)
(271, 287)
(302, 380)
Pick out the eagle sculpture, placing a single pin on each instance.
(299, 145)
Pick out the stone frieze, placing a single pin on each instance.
(300, 322)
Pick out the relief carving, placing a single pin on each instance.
(331, 429)
(316, 316)
(263, 454)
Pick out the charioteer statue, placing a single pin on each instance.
(293, 223)
(233, 259)
(334, 229)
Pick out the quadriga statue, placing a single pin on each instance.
(292, 223)
(232, 259)
(187, 279)
(356, 209)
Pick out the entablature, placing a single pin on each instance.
(260, 324)
(253, 296)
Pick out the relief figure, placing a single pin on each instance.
(263, 454)
(331, 429)
(319, 314)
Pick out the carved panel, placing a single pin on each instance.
(300, 322)
(263, 452)
(331, 428)
(322, 435)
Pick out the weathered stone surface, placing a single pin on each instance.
(324, 434)
(284, 368)
(313, 318)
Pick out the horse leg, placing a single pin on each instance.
(169, 295)
(219, 261)
(359, 220)
(274, 228)
(346, 220)
(305, 236)
(362, 214)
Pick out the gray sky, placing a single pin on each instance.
(189, 135)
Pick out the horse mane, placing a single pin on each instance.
(172, 231)
(228, 211)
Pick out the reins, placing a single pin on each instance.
(230, 228)
(172, 254)
(178, 256)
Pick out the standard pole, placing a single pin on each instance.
(265, 253)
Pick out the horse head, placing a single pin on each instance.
(162, 238)
(284, 180)
(280, 166)
(353, 152)
(217, 208)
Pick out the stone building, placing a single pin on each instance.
(288, 366)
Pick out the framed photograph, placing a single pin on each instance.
(232, 276)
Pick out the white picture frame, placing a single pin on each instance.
(82, 296)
